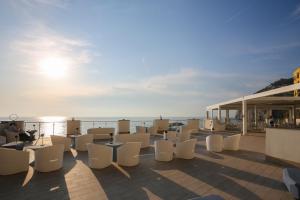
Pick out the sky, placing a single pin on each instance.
(141, 58)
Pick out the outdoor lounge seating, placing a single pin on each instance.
(193, 125)
(128, 154)
(82, 141)
(143, 138)
(186, 149)
(232, 142)
(291, 179)
(101, 133)
(141, 129)
(159, 126)
(100, 156)
(123, 126)
(214, 143)
(171, 135)
(49, 158)
(13, 161)
(163, 150)
(183, 136)
(214, 125)
(55, 139)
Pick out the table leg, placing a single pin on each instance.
(114, 154)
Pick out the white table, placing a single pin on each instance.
(115, 146)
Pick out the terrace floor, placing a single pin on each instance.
(233, 175)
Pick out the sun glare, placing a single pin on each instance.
(54, 67)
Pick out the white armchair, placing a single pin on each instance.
(183, 136)
(163, 150)
(171, 135)
(100, 156)
(55, 139)
(101, 133)
(123, 126)
(232, 142)
(214, 143)
(193, 125)
(13, 161)
(144, 138)
(159, 126)
(128, 154)
(49, 158)
(141, 129)
(82, 141)
(186, 149)
(2, 140)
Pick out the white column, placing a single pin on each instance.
(207, 114)
(227, 116)
(212, 114)
(255, 116)
(245, 117)
(219, 113)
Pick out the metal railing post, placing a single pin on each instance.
(53, 127)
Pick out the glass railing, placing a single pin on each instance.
(59, 128)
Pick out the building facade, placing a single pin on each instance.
(296, 76)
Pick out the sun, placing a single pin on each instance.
(54, 67)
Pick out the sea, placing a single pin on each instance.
(56, 125)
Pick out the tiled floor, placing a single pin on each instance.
(233, 175)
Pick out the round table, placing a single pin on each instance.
(73, 137)
(115, 146)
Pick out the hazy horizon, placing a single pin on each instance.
(141, 58)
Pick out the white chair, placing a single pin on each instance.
(101, 133)
(100, 156)
(218, 125)
(214, 143)
(144, 138)
(141, 129)
(159, 126)
(2, 140)
(55, 139)
(232, 142)
(171, 135)
(49, 158)
(183, 136)
(163, 150)
(13, 161)
(193, 125)
(186, 149)
(128, 154)
(82, 140)
(123, 126)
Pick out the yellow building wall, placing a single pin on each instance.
(296, 76)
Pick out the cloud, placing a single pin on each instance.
(174, 84)
(54, 3)
(234, 16)
(296, 13)
(40, 42)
